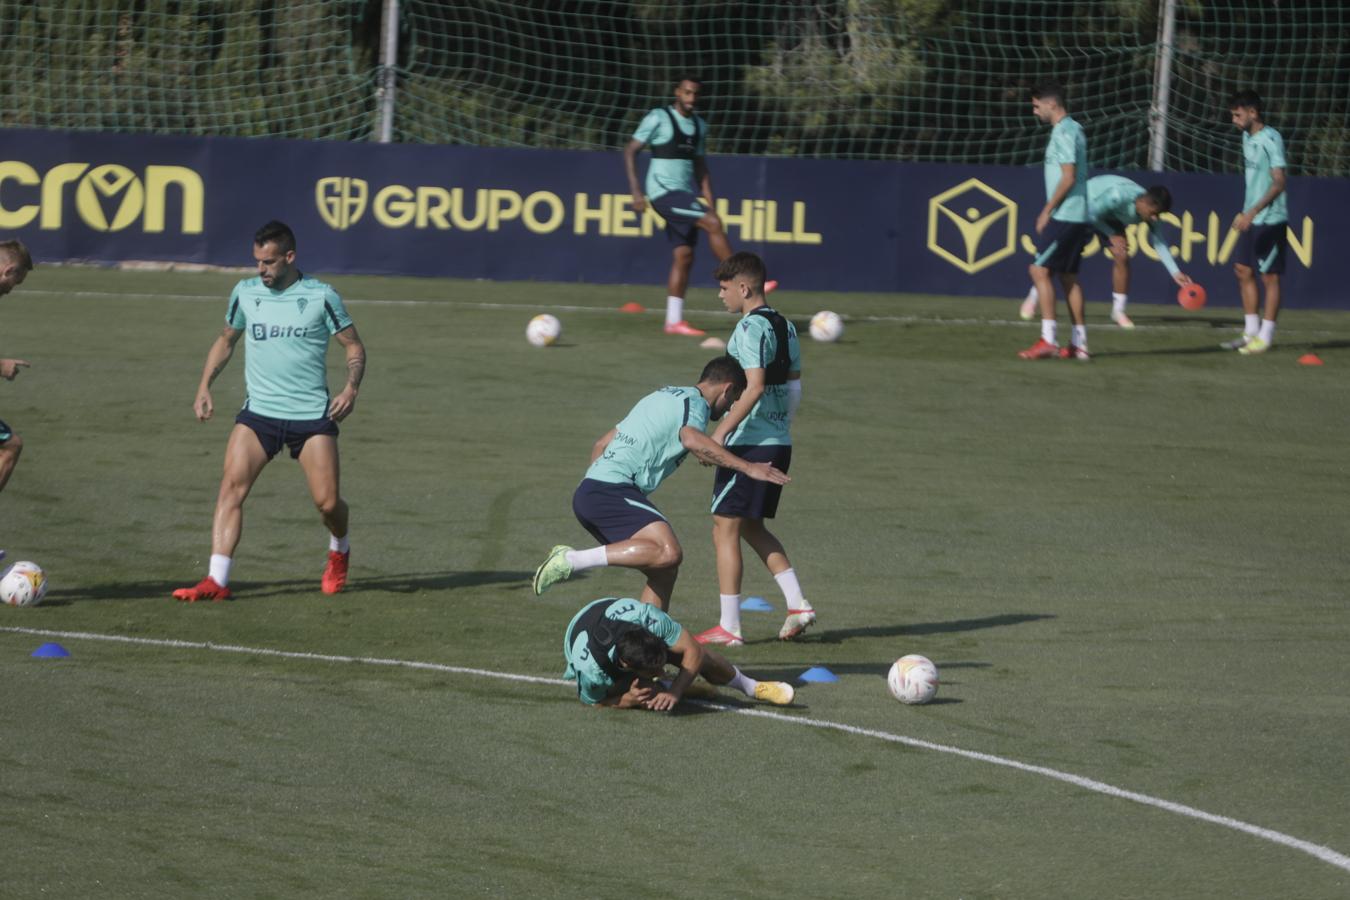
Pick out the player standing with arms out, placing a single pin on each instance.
(1063, 228)
(1263, 240)
(15, 264)
(629, 462)
(1116, 202)
(756, 429)
(617, 648)
(679, 187)
(288, 319)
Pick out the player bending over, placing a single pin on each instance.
(617, 650)
(629, 462)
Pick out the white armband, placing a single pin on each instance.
(794, 397)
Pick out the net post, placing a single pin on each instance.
(388, 75)
(1162, 87)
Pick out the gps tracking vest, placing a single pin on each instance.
(776, 372)
(601, 636)
(681, 145)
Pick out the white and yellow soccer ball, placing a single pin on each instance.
(543, 330)
(913, 679)
(23, 584)
(826, 326)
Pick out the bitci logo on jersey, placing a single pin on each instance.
(262, 331)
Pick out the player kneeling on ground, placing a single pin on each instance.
(617, 649)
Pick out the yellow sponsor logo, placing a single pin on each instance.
(343, 202)
(972, 226)
(106, 197)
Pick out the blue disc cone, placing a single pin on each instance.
(51, 651)
(756, 604)
(818, 674)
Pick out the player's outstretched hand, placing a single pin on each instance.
(762, 471)
(639, 693)
(203, 406)
(342, 405)
(663, 701)
(1182, 279)
(10, 367)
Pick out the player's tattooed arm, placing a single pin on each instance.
(356, 355)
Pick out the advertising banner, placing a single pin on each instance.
(512, 214)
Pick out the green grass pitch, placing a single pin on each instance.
(1130, 571)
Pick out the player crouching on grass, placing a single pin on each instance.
(617, 650)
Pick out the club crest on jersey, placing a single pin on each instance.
(302, 302)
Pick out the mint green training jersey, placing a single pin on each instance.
(646, 447)
(1111, 199)
(593, 684)
(286, 344)
(1262, 152)
(666, 175)
(754, 346)
(1068, 146)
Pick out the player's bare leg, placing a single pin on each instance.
(1047, 347)
(320, 463)
(1266, 335)
(717, 669)
(1120, 280)
(801, 614)
(1251, 300)
(244, 461)
(9, 458)
(654, 550)
(730, 567)
(681, 263)
(1073, 291)
(659, 587)
(718, 242)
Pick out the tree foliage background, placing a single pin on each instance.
(928, 80)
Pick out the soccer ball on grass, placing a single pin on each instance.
(543, 330)
(913, 679)
(23, 584)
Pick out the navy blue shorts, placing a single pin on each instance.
(681, 210)
(5, 432)
(612, 512)
(742, 497)
(1263, 248)
(273, 433)
(1060, 247)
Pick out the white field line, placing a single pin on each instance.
(473, 304)
(1317, 851)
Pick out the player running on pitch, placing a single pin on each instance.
(617, 650)
(629, 462)
(1116, 202)
(288, 319)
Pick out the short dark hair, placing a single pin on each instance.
(689, 76)
(278, 233)
(14, 251)
(724, 369)
(640, 650)
(743, 265)
(1246, 99)
(1049, 90)
(1161, 197)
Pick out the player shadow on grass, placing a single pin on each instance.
(839, 635)
(1287, 347)
(257, 590)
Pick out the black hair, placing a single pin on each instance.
(1246, 99)
(640, 651)
(278, 233)
(1049, 90)
(724, 369)
(1161, 197)
(743, 264)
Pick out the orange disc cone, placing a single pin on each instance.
(1191, 296)
(631, 307)
(1310, 359)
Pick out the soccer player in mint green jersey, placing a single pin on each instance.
(629, 462)
(1063, 227)
(1263, 224)
(617, 650)
(679, 187)
(756, 428)
(1116, 203)
(287, 320)
(15, 264)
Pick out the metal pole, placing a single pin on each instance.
(388, 76)
(1162, 87)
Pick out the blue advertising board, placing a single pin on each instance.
(470, 212)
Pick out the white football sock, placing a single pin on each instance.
(1048, 330)
(220, 569)
(587, 559)
(674, 310)
(1251, 324)
(1118, 302)
(792, 591)
(731, 612)
(339, 544)
(745, 685)
(1267, 330)
(1079, 338)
